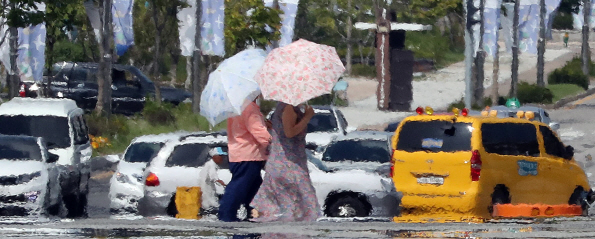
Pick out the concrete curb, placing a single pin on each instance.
(562, 102)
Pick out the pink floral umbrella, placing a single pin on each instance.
(299, 71)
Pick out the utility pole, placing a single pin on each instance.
(515, 50)
(541, 44)
(585, 46)
(104, 84)
(197, 61)
(479, 60)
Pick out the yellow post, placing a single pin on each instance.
(188, 202)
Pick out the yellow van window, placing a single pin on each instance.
(553, 146)
(510, 139)
(435, 136)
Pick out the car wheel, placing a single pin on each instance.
(348, 206)
(171, 209)
(500, 196)
(578, 197)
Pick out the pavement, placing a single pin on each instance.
(442, 87)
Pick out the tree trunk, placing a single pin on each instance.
(104, 82)
(479, 61)
(349, 26)
(469, 48)
(188, 82)
(515, 51)
(157, 53)
(585, 46)
(197, 60)
(13, 79)
(495, 75)
(46, 90)
(541, 44)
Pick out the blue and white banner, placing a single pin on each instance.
(551, 7)
(212, 35)
(491, 23)
(289, 8)
(122, 22)
(31, 59)
(528, 26)
(579, 18)
(5, 47)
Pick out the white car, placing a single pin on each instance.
(29, 183)
(126, 185)
(178, 164)
(540, 114)
(327, 123)
(342, 193)
(366, 150)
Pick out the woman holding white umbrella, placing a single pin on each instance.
(231, 93)
(291, 75)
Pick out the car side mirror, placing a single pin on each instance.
(555, 126)
(52, 158)
(568, 152)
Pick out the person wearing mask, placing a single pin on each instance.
(248, 139)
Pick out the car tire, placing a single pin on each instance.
(501, 195)
(171, 209)
(348, 206)
(578, 197)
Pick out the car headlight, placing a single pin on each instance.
(32, 196)
(123, 178)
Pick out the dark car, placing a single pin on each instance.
(78, 81)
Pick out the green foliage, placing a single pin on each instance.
(562, 90)
(433, 45)
(158, 114)
(572, 73)
(267, 106)
(329, 99)
(21, 13)
(363, 70)
(563, 21)
(532, 93)
(107, 127)
(65, 50)
(242, 29)
(460, 104)
(427, 12)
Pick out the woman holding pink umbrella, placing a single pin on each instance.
(292, 74)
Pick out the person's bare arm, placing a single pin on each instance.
(289, 118)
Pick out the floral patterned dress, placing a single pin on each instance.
(286, 193)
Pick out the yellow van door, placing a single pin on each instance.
(565, 174)
(513, 160)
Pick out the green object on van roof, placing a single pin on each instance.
(513, 103)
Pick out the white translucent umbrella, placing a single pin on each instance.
(231, 87)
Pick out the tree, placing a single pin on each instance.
(585, 52)
(246, 24)
(18, 13)
(60, 16)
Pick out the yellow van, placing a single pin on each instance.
(463, 165)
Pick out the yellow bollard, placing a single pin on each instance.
(188, 202)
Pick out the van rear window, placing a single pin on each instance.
(435, 136)
(510, 139)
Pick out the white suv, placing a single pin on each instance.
(126, 185)
(61, 124)
(177, 164)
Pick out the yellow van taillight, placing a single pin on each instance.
(392, 164)
(475, 165)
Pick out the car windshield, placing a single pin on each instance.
(364, 150)
(189, 155)
(20, 149)
(323, 122)
(142, 152)
(56, 136)
(434, 136)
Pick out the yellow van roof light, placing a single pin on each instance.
(493, 113)
(529, 115)
(484, 113)
(455, 111)
(520, 114)
(429, 110)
